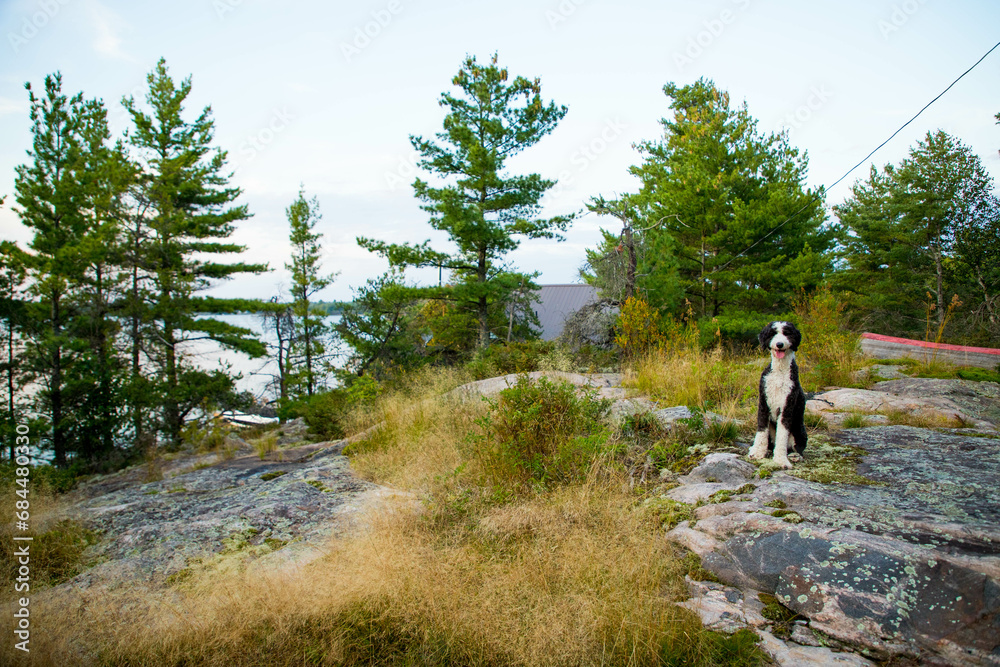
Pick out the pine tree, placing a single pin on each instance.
(308, 346)
(729, 205)
(912, 229)
(53, 198)
(482, 208)
(188, 218)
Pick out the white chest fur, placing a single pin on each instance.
(778, 384)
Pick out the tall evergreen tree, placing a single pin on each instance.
(907, 230)
(308, 345)
(189, 217)
(484, 210)
(53, 192)
(729, 206)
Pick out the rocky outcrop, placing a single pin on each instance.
(906, 563)
(281, 508)
(946, 402)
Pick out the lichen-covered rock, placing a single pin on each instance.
(941, 407)
(980, 400)
(906, 561)
(156, 529)
(717, 472)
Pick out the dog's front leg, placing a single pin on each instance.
(759, 449)
(781, 446)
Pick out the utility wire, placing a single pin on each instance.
(848, 172)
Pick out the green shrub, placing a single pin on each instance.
(830, 352)
(736, 329)
(507, 358)
(539, 432)
(978, 374)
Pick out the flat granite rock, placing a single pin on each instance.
(906, 565)
(292, 499)
(981, 400)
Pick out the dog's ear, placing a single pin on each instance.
(765, 335)
(794, 337)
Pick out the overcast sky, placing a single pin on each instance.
(327, 93)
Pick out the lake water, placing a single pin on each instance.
(257, 374)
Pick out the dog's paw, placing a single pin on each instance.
(757, 452)
(783, 463)
(794, 458)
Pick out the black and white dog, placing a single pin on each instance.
(782, 403)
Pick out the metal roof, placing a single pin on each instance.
(557, 302)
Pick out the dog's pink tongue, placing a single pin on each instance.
(780, 354)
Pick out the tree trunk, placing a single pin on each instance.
(171, 409)
(55, 389)
(10, 386)
(630, 271)
(939, 268)
(483, 306)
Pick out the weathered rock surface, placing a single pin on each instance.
(607, 385)
(980, 400)
(908, 564)
(284, 507)
(836, 405)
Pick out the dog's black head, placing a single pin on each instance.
(780, 337)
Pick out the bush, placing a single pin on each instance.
(735, 329)
(830, 351)
(539, 433)
(638, 329)
(507, 358)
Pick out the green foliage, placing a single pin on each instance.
(307, 346)
(483, 210)
(189, 217)
(713, 187)
(503, 359)
(539, 433)
(923, 227)
(830, 352)
(379, 327)
(714, 648)
(735, 328)
(978, 374)
(666, 514)
(638, 328)
(782, 617)
(325, 412)
(855, 420)
(56, 555)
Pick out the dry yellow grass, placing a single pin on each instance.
(723, 382)
(570, 576)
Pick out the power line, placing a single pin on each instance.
(848, 172)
